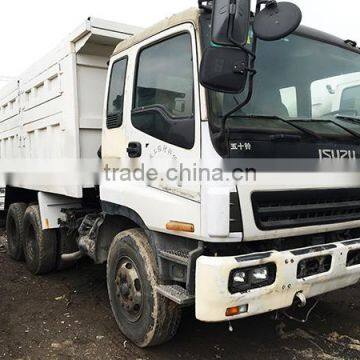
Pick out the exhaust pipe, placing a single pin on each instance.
(72, 257)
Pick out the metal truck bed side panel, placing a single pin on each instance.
(52, 114)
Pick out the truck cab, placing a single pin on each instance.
(264, 240)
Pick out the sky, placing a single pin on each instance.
(29, 29)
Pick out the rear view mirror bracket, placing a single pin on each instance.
(230, 29)
(205, 5)
(230, 22)
(230, 32)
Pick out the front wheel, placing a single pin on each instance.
(143, 315)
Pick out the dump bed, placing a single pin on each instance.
(54, 109)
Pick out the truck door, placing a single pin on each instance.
(164, 127)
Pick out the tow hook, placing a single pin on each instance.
(300, 299)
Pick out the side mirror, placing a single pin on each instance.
(230, 22)
(277, 20)
(224, 69)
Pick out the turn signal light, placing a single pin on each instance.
(233, 311)
(180, 226)
(236, 310)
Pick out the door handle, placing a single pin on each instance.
(134, 149)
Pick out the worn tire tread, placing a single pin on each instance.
(167, 320)
(46, 243)
(17, 210)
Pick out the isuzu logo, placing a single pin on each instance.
(337, 154)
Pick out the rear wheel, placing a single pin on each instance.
(15, 230)
(39, 245)
(143, 315)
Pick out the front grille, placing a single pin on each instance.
(291, 209)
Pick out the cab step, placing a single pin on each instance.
(178, 256)
(177, 294)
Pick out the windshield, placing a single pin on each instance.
(297, 78)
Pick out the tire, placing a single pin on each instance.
(39, 245)
(15, 230)
(2, 219)
(156, 319)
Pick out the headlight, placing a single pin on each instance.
(240, 277)
(251, 278)
(259, 275)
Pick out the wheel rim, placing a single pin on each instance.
(129, 289)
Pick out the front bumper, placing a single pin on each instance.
(212, 278)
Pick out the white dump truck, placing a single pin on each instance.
(102, 142)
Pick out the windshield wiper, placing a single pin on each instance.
(346, 118)
(349, 118)
(275, 117)
(285, 138)
(310, 132)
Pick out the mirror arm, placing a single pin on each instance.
(231, 27)
(251, 69)
(246, 101)
(266, 3)
(252, 72)
(221, 136)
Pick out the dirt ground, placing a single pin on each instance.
(66, 315)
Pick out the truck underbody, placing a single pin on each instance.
(190, 269)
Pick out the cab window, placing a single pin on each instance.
(164, 92)
(114, 116)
